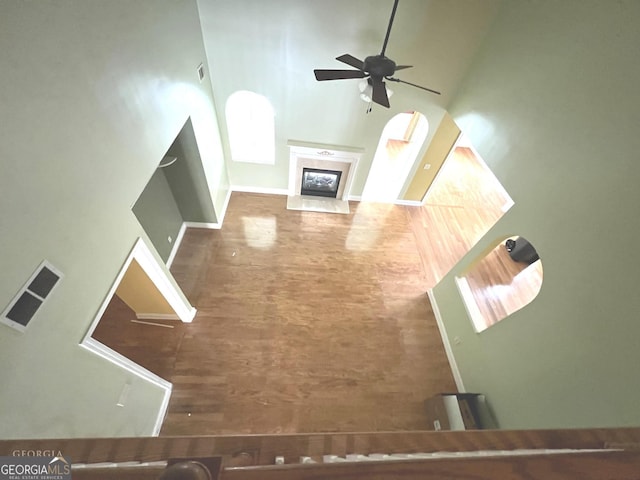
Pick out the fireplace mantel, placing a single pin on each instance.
(324, 157)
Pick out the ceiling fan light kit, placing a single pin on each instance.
(366, 91)
(375, 68)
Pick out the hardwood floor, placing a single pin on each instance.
(461, 207)
(307, 322)
(500, 286)
(464, 202)
(313, 322)
(150, 346)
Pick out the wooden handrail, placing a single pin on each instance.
(264, 448)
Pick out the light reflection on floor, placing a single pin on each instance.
(260, 232)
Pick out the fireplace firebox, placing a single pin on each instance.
(321, 183)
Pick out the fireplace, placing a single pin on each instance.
(320, 177)
(320, 183)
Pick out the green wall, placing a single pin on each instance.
(93, 93)
(551, 104)
(187, 179)
(158, 213)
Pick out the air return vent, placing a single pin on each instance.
(31, 297)
(201, 72)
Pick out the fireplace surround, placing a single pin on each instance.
(327, 169)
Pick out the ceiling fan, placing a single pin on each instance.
(376, 68)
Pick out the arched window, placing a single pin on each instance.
(505, 280)
(251, 129)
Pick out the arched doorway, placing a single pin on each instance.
(400, 142)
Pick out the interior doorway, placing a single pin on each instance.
(400, 142)
(139, 323)
(464, 201)
(140, 272)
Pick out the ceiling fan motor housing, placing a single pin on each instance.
(379, 66)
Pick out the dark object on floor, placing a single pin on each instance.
(521, 250)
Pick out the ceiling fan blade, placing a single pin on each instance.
(351, 60)
(386, 38)
(338, 74)
(402, 67)
(379, 94)
(413, 85)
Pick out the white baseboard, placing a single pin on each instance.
(266, 190)
(210, 225)
(224, 207)
(157, 316)
(409, 203)
(445, 341)
(162, 412)
(176, 245)
(213, 226)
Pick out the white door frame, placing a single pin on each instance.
(141, 253)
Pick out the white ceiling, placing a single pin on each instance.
(272, 46)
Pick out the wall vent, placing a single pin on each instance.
(201, 72)
(31, 297)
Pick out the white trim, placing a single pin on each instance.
(176, 245)
(97, 348)
(157, 275)
(100, 349)
(157, 316)
(409, 203)
(211, 226)
(266, 190)
(310, 203)
(162, 412)
(225, 206)
(331, 157)
(184, 311)
(142, 254)
(355, 198)
(445, 341)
